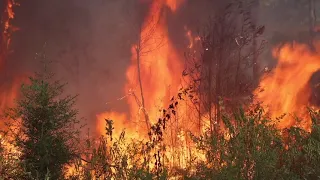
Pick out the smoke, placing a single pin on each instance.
(90, 41)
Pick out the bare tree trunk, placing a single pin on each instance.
(218, 84)
(138, 56)
(210, 95)
(140, 51)
(255, 63)
(237, 76)
(199, 105)
(255, 66)
(3, 34)
(312, 21)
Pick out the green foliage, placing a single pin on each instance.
(300, 157)
(248, 146)
(43, 127)
(255, 149)
(116, 158)
(9, 163)
(246, 149)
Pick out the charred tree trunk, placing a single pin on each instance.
(210, 74)
(255, 63)
(199, 104)
(237, 83)
(237, 76)
(312, 21)
(226, 42)
(138, 56)
(139, 50)
(255, 66)
(207, 78)
(3, 38)
(218, 97)
(220, 52)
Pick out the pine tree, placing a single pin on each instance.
(45, 125)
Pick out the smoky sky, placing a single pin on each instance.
(89, 42)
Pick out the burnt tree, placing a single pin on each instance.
(220, 73)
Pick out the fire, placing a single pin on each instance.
(192, 40)
(174, 4)
(154, 76)
(8, 92)
(286, 89)
(160, 69)
(120, 121)
(7, 16)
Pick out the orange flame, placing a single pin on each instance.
(7, 16)
(174, 4)
(7, 93)
(286, 89)
(160, 67)
(160, 74)
(120, 121)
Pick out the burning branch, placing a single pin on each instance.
(150, 40)
(6, 27)
(141, 107)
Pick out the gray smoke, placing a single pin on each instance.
(90, 41)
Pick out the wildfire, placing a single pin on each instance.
(159, 65)
(154, 77)
(174, 4)
(8, 93)
(160, 68)
(120, 123)
(7, 16)
(286, 89)
(192, 40)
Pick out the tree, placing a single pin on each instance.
(220, 73)
(43, 126)
(146, 32)
(151, 38)
(255, 32)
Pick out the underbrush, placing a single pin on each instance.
(248, 147)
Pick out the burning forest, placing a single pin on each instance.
(159, 89)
